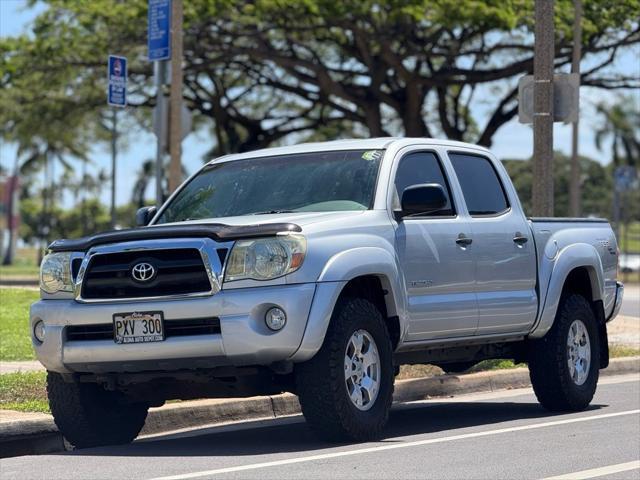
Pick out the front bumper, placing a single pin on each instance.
(244, 338)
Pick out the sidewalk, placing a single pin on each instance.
(24, 366)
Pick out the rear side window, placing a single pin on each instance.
(483, 192)
(422, 167)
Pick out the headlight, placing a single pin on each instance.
(265, 258)
(55, 273)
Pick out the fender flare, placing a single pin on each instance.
(337, 272)
(579, 255)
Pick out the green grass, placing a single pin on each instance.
(25, 265)
(15, 338)
(630, 241)
(25, 392)
(19, 271)
(617, 351)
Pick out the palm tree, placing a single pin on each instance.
(621, 123)
(145, 177)
(39, 154)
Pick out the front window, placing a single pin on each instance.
(306, 182)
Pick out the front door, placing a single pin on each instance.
(504, 250)
(437, 262)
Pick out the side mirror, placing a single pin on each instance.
(144, 216)
(423, 199)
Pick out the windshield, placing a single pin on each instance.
(307, 182)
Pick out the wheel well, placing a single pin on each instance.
(371, 288)
(579, 281)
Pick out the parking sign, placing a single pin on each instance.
(117, 76)
(158, 30)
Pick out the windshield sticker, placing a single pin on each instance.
(371, 155)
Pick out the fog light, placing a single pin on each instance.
(39, 331)
(275, 318)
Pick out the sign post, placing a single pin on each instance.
(159, 51)
(116, 97)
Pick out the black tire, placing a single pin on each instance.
(87, 415)
(321, 383)
(550, 376)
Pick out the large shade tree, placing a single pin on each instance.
(266, 71)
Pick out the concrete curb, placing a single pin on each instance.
(39, 436)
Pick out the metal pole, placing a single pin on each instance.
(574, 182)
(162, 119)
(175, 109)
(114, 156)
(544, 54)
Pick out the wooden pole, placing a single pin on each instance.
(544, 54)
(574, 182)
(175, 108)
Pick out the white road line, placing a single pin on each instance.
(360, 451)
(240, 425)
(598, 472)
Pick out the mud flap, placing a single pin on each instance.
(604, 345)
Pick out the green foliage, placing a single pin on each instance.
(24, 391)
(15, 337)
(596, 186)
(83, 219)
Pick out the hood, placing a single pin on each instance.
(298, 218)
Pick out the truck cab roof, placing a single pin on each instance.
(377, 143)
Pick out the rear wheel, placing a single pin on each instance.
(346, 389)
(87, 415)
(564, 364)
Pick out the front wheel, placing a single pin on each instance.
(87, 415)
(564, 364)
(346, 389)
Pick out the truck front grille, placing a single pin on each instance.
(172, 328)
(175, 272)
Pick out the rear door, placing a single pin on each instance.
(504, 250)
(438, 267)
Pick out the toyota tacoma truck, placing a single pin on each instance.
(319, 269)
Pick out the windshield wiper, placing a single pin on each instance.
(269, 212)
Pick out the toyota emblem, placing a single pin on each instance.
(143, 272)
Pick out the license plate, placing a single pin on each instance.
(138, 327)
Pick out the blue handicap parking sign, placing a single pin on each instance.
(117, 71)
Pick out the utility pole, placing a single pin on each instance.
(544, 53)
(175, 109)
(114, 157)
(160, 75)
(574, 182)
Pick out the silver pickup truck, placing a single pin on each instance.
(319, 269)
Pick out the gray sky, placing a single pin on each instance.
(513, 140)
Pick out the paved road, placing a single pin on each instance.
(495, 435)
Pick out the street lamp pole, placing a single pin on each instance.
(544, 54)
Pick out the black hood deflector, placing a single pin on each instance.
(215, 231)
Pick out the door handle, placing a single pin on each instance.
(463, 240)
(520, 239)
